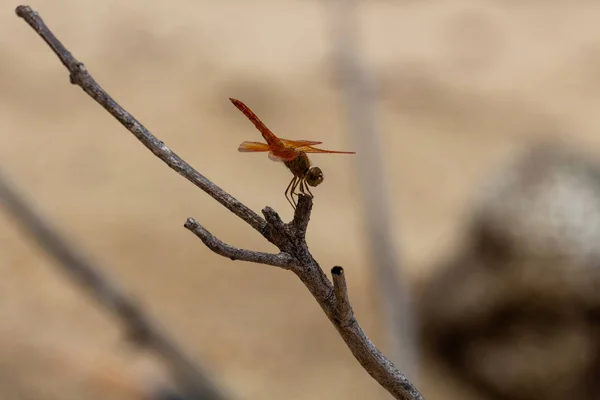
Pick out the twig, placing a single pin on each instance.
(357, 90)
(341, 295)
(138, 326)
(282, 260)
(290, 238)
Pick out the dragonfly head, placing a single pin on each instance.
(314, 176)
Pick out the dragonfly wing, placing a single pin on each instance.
(285, 153)
(310, 149)
(253, 147)
(274, 157)
(298, 143)
(280, 154)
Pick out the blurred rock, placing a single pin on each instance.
(515, 312)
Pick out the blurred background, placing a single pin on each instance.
(462, 88)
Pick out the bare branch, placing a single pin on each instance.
(81, 77)
(282, 260)
(138, 326)
(288, 237)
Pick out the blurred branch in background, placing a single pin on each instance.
(289, 238)
(191, 379)
(361, 122)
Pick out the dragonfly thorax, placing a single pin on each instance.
(300, 167)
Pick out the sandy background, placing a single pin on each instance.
(462, 85)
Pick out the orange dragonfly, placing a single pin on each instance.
(291, 152)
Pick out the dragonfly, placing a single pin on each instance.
(291, 152)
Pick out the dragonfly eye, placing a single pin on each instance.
(314, 176)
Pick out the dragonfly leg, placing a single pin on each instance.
(291, 185)
(309, 192)
(293, 191)
(303, 186)
(304, 189)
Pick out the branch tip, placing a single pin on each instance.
(189, 223)
(21, 10)
(302, 213)
(337, 270)
(304, 203)
(271, 216)
(343, 307)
